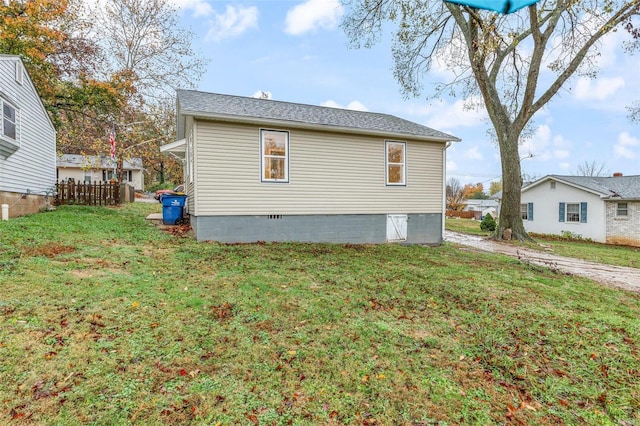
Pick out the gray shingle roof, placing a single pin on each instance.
(623, 187)
(213, 105)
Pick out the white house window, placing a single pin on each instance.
(274, 148)
(8, 120)
(395, 162)
(524, 211)
(107, 175)
(552, 185)
(622, 210)
(87, 176)
(573, 212)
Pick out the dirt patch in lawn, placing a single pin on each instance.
(615, 276)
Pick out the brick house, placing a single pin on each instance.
(603, 209)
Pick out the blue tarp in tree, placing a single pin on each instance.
(502, 6)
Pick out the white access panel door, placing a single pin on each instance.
(397, 227)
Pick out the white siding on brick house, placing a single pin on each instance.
(620, 229)
(546, 202)
(329, 173)
(32, 168)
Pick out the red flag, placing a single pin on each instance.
(112, 142)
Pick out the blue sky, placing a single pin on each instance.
(296, 50)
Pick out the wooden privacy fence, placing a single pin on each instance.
(464, 215)
(93, 193)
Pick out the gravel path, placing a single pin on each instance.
(615, 276)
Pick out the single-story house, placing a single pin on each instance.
(95, 168)
(27, 142)
(265, 170)
(603, 209)
(484, 207)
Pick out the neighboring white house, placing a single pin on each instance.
(27, 142)
(264, 170)
(94, 168)
(604, 209)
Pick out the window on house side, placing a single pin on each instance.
(552, 185)
(524, 211)
(8, 121)
(274, 146)
(622, 209)
(396, 163)
(573, 212)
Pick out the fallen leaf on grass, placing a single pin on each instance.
(16, 414)
(162, 367)
(222, 312)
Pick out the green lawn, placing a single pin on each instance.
(467, 226)
(105, 319)
(595, 252)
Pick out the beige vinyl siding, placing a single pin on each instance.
(329, 173)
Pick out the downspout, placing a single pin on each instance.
(444, 185)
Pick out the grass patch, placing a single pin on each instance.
(466, 226)
(107, 320)
(594, 252)
(591, 251)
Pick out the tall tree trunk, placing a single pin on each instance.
(510, 217)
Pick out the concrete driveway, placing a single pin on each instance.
(614, 276)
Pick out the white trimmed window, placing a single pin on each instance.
(622, 210)
(573, 212)
(274, 149)
(9, 120)
(524, 211)
(395, 162)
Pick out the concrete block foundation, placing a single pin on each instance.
(422, 228)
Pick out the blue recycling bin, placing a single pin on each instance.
(172, 208)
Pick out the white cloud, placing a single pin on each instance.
(599, 90)
(200, 7)
(262, 94)
(235, 21)
(354, 105)
(545, 146)
(312, 15)
(451, 166)
(458, 114)
(538, 144)
(473, 153)
(626, 146)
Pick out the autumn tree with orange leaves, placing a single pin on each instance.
(90, 78)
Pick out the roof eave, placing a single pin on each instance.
(305, 125)
(557, 179)
(620, 198)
